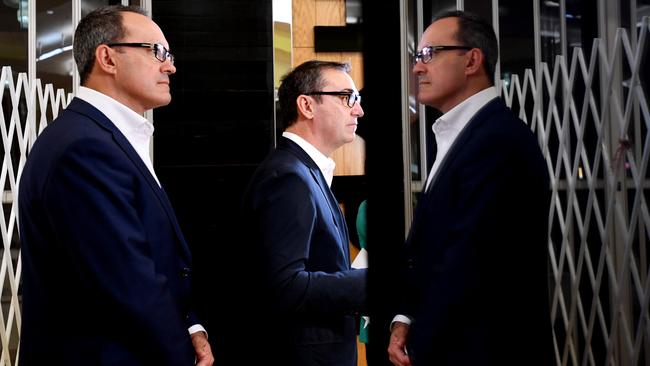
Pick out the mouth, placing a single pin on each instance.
(422, 80)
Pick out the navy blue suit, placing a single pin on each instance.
(304, 296)
(477, 250)
(106, 270)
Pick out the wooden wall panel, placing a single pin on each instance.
(330, 12)
(350, 158)
(302, 54)
(304, 18)
(355, 59)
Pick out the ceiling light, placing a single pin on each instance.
(54, 52)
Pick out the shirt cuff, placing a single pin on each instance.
(197, 328)
(400, 318)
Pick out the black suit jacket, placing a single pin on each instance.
(477, 250)
(106, 270)
(305, 295)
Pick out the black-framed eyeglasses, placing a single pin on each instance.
(160, 52)
(350, 96)
(427, 54)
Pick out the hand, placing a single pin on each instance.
(202, 349)
(396, 347)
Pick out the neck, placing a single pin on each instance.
(106, 86)
(473, 87)
(302, 129)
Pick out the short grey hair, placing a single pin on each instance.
(102, 25)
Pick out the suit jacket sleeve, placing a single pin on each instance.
(288, 213)
(93, 186)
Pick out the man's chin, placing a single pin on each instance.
(425, 98)
(163, 102)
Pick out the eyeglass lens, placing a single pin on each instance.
(162, 54)
(353, 98)
(425, 55)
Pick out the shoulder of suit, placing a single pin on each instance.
(499, 126)
(70, 126)
(287, 161)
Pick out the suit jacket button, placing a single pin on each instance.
(186, 272)
(410, 263)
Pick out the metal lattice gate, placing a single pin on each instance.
(25, 110)
(592, 119)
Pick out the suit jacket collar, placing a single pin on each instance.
(286, 144)
(86, 109)
(462, 140)
(464, 136)
(324, 163)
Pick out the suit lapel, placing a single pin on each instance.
(461, 141)
(337, 215)
(81, 106)
(333, 205)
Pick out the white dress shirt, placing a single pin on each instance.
(451, 124)
(325, 164)
(137, 130)
(446, 129)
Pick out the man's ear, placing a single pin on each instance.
(105, 60)
(474, 61)
(304, 104)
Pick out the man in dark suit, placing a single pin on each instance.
(106, 270)
(475, 291)
(305, 295)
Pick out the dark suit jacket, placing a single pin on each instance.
(477, 250)
(106, 270)
(304, 295)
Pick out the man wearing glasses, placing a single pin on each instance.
(302, 303)
(106, 270)
(475, 276)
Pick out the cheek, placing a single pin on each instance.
(133, 85)
(445, 80)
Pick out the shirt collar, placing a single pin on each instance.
(123, 117)
(456, 118)
(325, 164)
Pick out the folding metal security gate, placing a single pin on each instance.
(594, 130)
(25, 111)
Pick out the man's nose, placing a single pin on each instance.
(357, 110)
(418, 68)
(168, 67)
